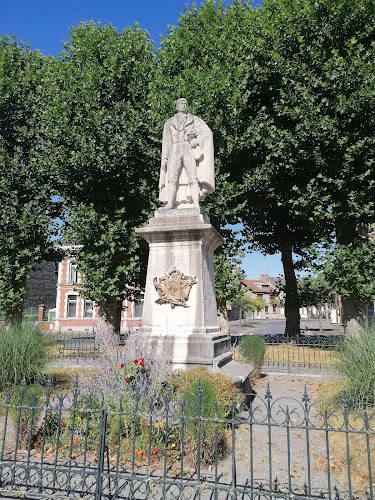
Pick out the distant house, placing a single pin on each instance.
(264, 290)
(267, 289)
(75, 313)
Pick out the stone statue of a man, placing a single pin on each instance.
(187, 164)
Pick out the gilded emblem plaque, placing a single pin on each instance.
(174, 288)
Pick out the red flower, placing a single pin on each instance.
(122, 365)
(142, 362)
(136, 361)
(127, 379)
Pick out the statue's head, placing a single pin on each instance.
(182, 105)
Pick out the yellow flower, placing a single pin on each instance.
(173, 445)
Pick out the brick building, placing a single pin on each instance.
(75, 313)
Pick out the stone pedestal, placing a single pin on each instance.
(188, 336)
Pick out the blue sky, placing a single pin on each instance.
(44, 24)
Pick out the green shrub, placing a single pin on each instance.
(23, 354)
(357, 364)
(225, 390)
(253, 349)
(209, 430)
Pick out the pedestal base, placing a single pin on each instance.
(186, 334)
(188, 349)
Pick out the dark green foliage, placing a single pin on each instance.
(108, 157)
(24, 353)
(315, 291)
(27, 174)
(357, 364)
(253, 349)
(350, 270)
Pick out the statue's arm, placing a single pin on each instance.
(165, 152)
(167, 142)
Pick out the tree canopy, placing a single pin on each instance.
(287, 90)
(27, 175)
(107, 159)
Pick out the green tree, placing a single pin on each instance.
(27, 175)
(228, 276)
(108, 156)
(232, 65)
(255, 304)
(350, 271)
(316, 291)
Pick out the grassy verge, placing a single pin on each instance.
(300, 354)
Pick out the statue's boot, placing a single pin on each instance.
(194, 188)
(172, 188)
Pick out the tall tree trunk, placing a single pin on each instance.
(352, 310)
(14, 317)
(112, 314)
(223, 316)
(320, 320)
(292, 326)
(352, 316)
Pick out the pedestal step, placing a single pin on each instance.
(238, 372)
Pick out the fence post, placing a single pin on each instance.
(101, 449)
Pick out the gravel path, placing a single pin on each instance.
(271, 439)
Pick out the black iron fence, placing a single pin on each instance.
(73, 345)
(310, 353)
(69, 445)
(78, 346)
(307, 354)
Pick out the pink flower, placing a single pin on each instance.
(127, 379)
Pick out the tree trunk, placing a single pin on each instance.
(292, 326)
(320, 321)
(112, 314)
(240, 316)
(352, 310)
(352, 317)
(223, 316)
(14, 317)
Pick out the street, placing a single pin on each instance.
(277, 326)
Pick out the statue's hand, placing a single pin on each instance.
(194, 143)
(164, 162)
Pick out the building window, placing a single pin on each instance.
(266, 309)
(72, 306)
(72, 274)
(274, 309)
(89, 309)
(138, 305)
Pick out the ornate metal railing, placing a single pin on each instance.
(72, 345)
(78, 346)
(69, 445)
(309, 353)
